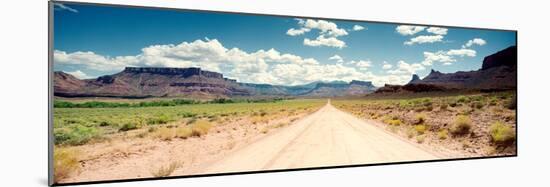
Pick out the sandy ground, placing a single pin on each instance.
(326, 137)
(329, 137)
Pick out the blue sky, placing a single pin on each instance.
(91, 41)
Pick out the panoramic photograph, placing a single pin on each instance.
(153, 93)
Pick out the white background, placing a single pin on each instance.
(23, 83)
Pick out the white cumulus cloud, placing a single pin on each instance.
(323, 41)
(475, 41)
(337, 58)
(437, 30)
(79, 74)
(262, 66)
(409, 29)
(328, 33)
(386, 65)
(462, 52)
(446, 57)
(406, 68)
(363, 65)
(358, 28)
(296, 32)
(424, 39)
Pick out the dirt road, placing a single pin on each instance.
(328, 137)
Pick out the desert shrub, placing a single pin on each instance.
(265, 130)
(443, 134)
(477, 104)
(462, 125)
(263, 113)
(429, 108)
(200, 128)
(466, 144)
(75, 135)
(65, 163)
(187, 114)
(128, 126)
(213, 118)
(184, 132)
(165, 171)
(512, 104)
(410, 133)
(461, 99)
(420, 118)
(259, 119)
(392, 128)
(160, 119)
(453, 104)
(420, 138)
(394, 122)
(420, 129)
(105, 123)
(502, 134)
(279, 125)
(152, 129)
(493, 101)
(443, 106)
(192, 120)
(165, 134)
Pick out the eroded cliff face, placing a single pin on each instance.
(150, 82)
(191, 82)
(183, 72)
(507, 57)
(498, 72)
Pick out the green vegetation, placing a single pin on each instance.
(75, 134)
(78, 126)
(157, 103)
(462, 125)
(502, 134)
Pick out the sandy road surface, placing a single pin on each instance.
(328, 137)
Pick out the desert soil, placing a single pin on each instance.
(327, 137)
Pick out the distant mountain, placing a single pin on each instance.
(137, 82)
(498, 72)
(150, 82)
(314, 89)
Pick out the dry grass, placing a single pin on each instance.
(420, 129)
(184, 132)
(165, 171)
(395, 122)
(65, 163)
(462, 125)
(443, 134)
(420, 118)
(259, 119)
(410, 133)
(165, 133)
(200, 128)
(420, 138)
(502, 134)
